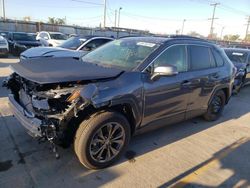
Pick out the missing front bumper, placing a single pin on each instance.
(31, 124)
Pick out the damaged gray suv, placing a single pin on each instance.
(129, 84)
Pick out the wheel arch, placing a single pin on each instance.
(227, 91)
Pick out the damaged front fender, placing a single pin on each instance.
(116, 92)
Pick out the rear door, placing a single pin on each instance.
(204, 76)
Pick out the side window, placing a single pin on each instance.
(94, 44)
(200, 57)
(10, 36)
(46, 36)
(218, 58)
(212, 59)
(41, 35)
(176, 56)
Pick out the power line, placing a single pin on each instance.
(158, 18)
(87, 2)
(86, 18)
(66, 7)
(225, 7)
(231, 9)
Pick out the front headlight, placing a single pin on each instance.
(74, 95)
(22, 57)
(3, 42)
(241, 70)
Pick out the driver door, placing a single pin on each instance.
(166, 98)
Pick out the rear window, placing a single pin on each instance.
(58, 36)
(218, 58)
(200, 57)
(237, 56)
(72, 43)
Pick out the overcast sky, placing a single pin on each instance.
(158, 16)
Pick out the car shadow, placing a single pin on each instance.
(233, 158)
(4, 92)
(48, 171)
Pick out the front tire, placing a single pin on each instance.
(216, 106)
(102, 139)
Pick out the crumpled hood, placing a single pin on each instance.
(57, 70)
(51, 52)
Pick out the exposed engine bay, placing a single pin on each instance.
(52, 105)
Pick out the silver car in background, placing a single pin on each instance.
(75, 47)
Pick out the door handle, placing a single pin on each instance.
(186, 83)
(216, 75)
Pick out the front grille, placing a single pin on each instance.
(2, 43)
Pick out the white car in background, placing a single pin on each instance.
(4, 46)
(75, 47)
(51, 38)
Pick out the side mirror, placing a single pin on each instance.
(164, 71)
(46, 38)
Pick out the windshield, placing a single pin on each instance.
(72, 43)
(24, 37)
(237, 57)
(58, 36)
(125, 54)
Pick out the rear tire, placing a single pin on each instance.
(216, 106)
(102, 139)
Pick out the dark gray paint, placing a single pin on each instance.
(160, 102)
(56, 70)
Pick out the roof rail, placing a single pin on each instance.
(182, 37)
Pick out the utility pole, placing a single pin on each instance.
(119, 15)
(248, 23)
(213, 18)
(115, 17)
(4, 10)
(105, 12)
(183, 23)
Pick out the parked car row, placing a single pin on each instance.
(4, 47)
(241, 60)
(75, 46)
(51, 38)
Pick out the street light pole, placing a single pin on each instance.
(115, 17)
(105, 12)
(183, 23)
(4, 10)
(248, 23)
(119, 15)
